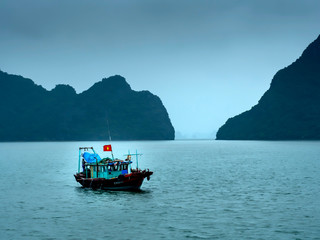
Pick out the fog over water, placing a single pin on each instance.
(206, 60)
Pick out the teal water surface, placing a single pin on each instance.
(199, 190)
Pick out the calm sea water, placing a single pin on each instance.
(199, 190)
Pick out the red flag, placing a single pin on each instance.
(107, 148)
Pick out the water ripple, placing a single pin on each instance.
(199, 190)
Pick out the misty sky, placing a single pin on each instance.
(206, 60)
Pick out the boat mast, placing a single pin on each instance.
(110, 137)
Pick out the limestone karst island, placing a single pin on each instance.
(289, 110)
(32, 113)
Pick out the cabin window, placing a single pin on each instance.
(109, 168)
(125, 167)
(116, 167)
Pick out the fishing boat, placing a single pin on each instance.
(109, 173)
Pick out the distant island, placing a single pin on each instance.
(31, 113)
(289, 110)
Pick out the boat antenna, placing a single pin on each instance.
(108, 130)
(110, 137)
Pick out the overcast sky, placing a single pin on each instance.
(207, 60)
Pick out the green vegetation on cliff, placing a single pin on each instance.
(289, 110)
(31, 113)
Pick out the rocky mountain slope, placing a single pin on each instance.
(289, 110)
(32, 113)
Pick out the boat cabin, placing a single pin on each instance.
(95, 167)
